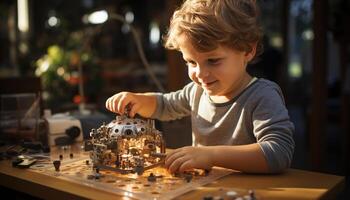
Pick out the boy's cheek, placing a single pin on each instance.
(190, 73)
(192, 76)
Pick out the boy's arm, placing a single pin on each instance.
(149, 104)
(273, 129)
(174, 105)
(247, 158)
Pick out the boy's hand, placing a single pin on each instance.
(143, 104)
(187, 158)
(118, 102)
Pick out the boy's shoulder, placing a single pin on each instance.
(264, 84)
(263, 87)
(265, 90)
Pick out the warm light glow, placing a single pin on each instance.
(129, 17)
(66, 76)
(98, 17)
(23, 48)
(53, 21)
(295, 70)
(276, 41)
(154, 35)
(128, 194)
(60, 71)
(46, 95)
(23, 17)
(308, 35)
(43, 65)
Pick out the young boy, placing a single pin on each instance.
(238, 121)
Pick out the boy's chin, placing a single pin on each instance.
(210, 92)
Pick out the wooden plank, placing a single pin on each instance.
(294, 184)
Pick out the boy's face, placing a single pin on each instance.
(221, 72)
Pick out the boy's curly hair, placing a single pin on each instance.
(210, 23)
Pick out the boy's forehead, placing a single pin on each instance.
(186, 46)
(188, 49)
(195, 54)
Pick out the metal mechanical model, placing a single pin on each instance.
(126, 145)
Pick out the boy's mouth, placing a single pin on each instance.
(209, 84)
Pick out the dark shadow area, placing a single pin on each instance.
(13, 194)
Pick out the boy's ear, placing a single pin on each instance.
(250, 55)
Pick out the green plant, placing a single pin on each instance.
(59, 71)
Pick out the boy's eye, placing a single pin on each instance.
(191, 64)
(214, 61)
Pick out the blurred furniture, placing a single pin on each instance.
(20, 108)
(17, 85)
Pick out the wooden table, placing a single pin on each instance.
(294, 184)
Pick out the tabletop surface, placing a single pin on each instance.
(293, 184)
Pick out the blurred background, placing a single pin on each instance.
(74, 54)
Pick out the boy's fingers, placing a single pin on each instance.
(121, 104)
(107, 104)
(127, 108)
(133, 110)
(171, 158)
(186, 166)
(176, 164)
(173, 152)
(110, 103)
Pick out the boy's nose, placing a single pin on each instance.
(202, 72)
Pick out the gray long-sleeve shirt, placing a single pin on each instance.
(257, 115)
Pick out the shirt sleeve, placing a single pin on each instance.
(273, 129)
(174, 105)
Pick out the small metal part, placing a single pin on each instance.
(26, 163)
(188, 177)
(97, 176)
(252, 194)
(139, 170)
(57, 164)
(152, 178)
(16, 161)
(209, 197)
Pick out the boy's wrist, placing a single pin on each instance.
(211, 155)
(148, 103)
